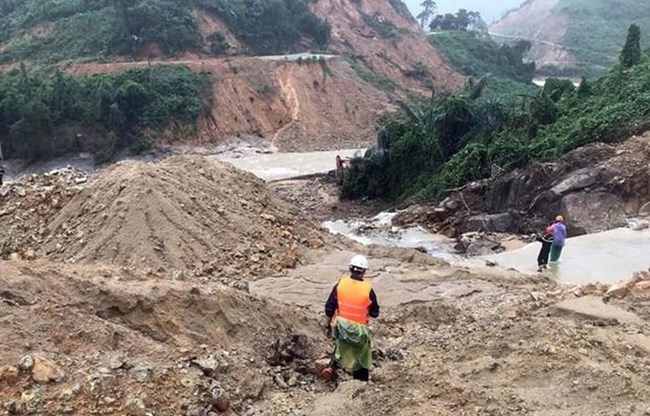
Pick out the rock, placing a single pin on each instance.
(642, 286)
(29, 255)
(221, 403)
(45, 371)
(395, 354)
(134, 406)
(293, 381)
(9, 375)
(575, 181)
(491, 263)
(638, 225)
(141, 373)
(618, 290)
(503, 222)
(450, 204)
(589, 212)
(15, 257)
(211, 365)
(320, 365)
(26, 363)
(268, 217)
(280, 382)
(482, 248)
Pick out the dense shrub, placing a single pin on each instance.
(118, 111)
(465, 136)
(53, 30)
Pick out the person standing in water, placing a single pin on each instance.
(559, 238)
(546, 239)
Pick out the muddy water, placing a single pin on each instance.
(379, 231)
(277, 166)
(605, 257)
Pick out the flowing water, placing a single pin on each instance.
(380, 231)
(277, 166)
(605, 257)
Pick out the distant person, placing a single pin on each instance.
(546, 238)
(559, 238)
(349, 308)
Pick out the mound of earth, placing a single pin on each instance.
(82, 340)
(181, 214)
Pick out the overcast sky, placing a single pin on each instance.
(489, 9)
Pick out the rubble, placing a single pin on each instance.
(27, 206)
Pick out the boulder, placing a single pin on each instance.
(503, 222)
(483, 247)
(618, 290)
(591, 212)
(576, 181)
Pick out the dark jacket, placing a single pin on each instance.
(332, 304)
(545, 238)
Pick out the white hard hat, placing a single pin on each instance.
(359, 262)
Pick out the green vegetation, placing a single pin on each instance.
(384, 28)
(54, 30)
(378, 81)
(45, 114)
(272, 26)
(401, 8)
(462, 20)
(476, 54)
(597, 28)
(631, 53)
(464, 136)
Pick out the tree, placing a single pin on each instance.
(631, 53)
(429, 10)
(462, 20)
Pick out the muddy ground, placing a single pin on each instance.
(101, 337)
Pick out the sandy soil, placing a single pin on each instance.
(107, 336)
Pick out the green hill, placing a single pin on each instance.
(587, 34)
(54, 30)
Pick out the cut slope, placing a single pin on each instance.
(386, 40)
(181, 214)
(580, 36)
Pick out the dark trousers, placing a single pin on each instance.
(362, 374)
(542, 258)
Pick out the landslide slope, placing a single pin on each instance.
(305, 103)
(582, 37)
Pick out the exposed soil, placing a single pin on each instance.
(183, 214)
(113, 335)
(537, 22)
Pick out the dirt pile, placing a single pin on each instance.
(28, 205)
(180, 215)
(78, 340)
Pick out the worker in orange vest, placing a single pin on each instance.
(349, 308)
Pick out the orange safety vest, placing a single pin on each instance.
(353, 300)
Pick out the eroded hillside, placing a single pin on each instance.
(574, 36)
(374, 54)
